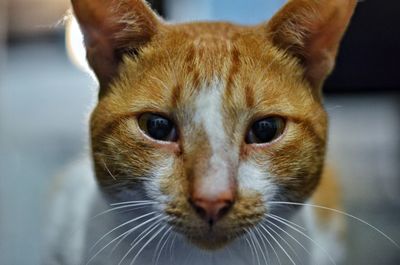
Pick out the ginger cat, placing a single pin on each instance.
(205, 139)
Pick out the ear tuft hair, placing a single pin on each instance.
(311, 30)
(112, 28)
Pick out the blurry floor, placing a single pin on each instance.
(365, 148)
(44, 103)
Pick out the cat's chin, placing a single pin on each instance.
(212, 241)
(211, 244)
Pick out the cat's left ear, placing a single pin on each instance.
(112, 28)
(311, 30)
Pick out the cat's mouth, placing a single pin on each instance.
(213, 234)
(211, 238)
(211, 243)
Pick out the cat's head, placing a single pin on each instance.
(213, 121)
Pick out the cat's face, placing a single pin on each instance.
(211, 120)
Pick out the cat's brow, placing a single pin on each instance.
(308, 126)
(176, 95)
(115, 122)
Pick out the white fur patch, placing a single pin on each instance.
(153, 186)
(254, 179)
(209, 116)
(209, 107)
(327, 236)
(70, 213)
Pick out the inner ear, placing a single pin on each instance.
(311, 30)
(112, 28)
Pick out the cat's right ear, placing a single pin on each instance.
(112, 28)
(311, 31)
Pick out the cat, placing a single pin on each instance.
(206, 139)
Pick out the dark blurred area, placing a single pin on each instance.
(46, 97)
(369, 56)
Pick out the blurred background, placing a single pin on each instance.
(45, 98)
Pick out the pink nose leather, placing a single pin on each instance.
(212, 209)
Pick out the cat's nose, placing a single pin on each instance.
(212, 209)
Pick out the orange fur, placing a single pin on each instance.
(273, 69)
(328, 194)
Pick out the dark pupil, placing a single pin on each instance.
(265, 130)
(159, 128)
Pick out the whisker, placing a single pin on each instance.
(250, 246)
(263, 242)
(158, 223)
(285, 241)
(147, 243)
(343, 213)
(144, 232)
(277, 242)
(121, 207)
(168, 232)
(118, 227)
(108, 170)
(272, 247)
(309, 238)
(132, 210)
(171, 247)
(259, 246)
(292, 237)
(254, 245)
(119, 242)
(118, 237)
(123, 238)
(290, 222)
(133, 202)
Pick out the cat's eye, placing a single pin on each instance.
(265, 130)
(158, 127)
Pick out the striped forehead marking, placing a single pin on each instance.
(209, 117)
